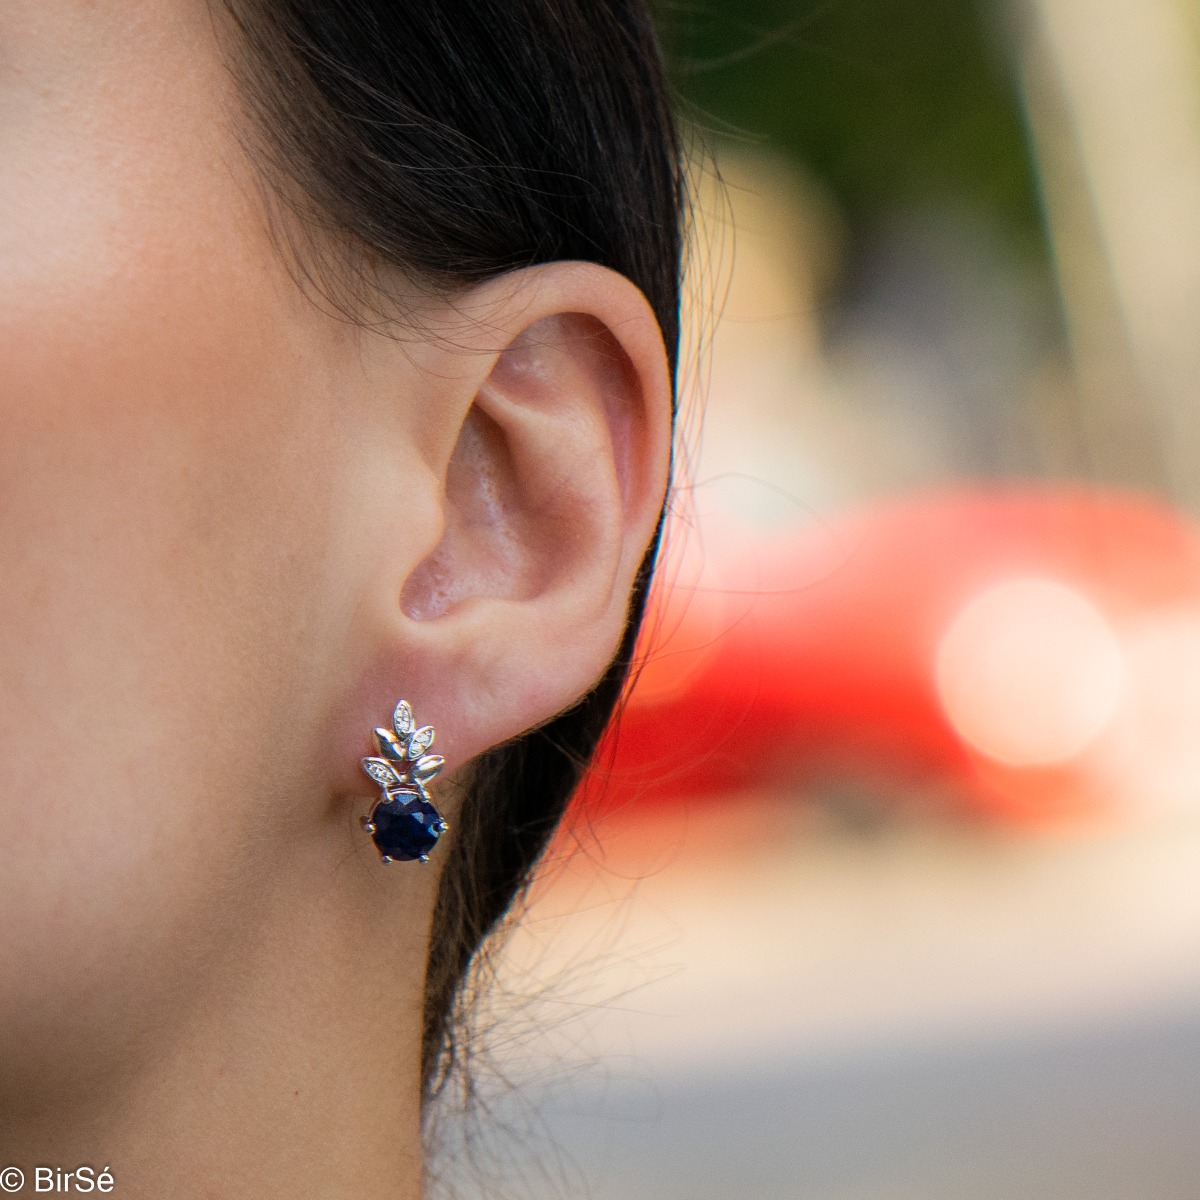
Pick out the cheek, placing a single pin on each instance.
(168, 458)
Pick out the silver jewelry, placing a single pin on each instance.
(403, 823)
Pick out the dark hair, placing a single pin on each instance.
(454, 140)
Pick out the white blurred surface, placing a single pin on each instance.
(814, 943)
(748, 1006)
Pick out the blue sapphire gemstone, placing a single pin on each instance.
(406, 827)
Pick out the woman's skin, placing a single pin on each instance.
(234, 529)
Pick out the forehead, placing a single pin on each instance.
(109, 84)
(60, 42)
(117, 139)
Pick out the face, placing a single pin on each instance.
(216, 501)
(175, 495)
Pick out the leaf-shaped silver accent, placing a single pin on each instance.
(381, 771)
(402, 719)
(389, 747)
(424, 769)
(420, 741)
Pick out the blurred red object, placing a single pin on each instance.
(978, 641)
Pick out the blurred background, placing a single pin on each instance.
(888, 883)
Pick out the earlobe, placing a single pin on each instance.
(549, 498)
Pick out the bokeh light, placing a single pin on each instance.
(1030, 672)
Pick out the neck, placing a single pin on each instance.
(292, 1070)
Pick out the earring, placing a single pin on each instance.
(403, 824)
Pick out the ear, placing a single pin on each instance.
(545, 429)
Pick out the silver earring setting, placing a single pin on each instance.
(403, 823)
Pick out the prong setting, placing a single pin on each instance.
(403, 823)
